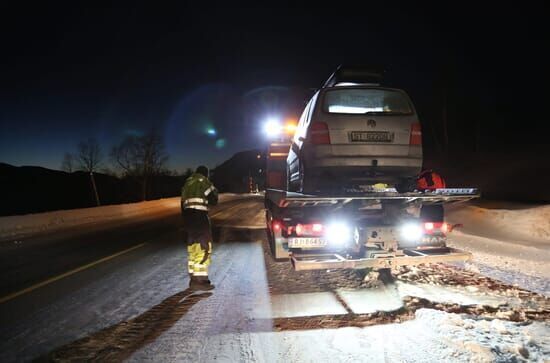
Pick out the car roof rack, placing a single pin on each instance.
(353, 75)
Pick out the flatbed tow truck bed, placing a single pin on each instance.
(284, 210)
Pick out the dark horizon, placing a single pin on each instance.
(74, 72)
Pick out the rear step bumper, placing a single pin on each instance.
(303, 262)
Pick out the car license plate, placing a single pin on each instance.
(306, 242)
(371, 136)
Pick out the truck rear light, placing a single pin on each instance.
(317, 228)
(436, 227)
(314, 229)
(319, 133)
(278, 151)
(276, 225)
(416, 134)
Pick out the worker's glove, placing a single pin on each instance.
(205, 246)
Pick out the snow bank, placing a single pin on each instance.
(511, 222)
(472, 339)
(509, 241)
(15, 226)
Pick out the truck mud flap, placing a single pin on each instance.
(304, 262)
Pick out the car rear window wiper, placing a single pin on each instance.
(386, 113)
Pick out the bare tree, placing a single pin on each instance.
(89, 155)
(68, 163)
(141, 157)
(89, 159)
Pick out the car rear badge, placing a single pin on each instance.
(371, 123)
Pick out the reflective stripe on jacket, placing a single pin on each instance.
(198, 193)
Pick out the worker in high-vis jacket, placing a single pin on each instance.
(197, 195)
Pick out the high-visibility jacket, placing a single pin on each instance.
(198, 193)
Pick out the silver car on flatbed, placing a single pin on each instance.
(351, 135)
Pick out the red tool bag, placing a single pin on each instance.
(429, 180)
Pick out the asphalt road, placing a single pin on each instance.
(120, 293)
(79, 265)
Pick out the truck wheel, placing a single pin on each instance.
(278, 254)
(270, 241)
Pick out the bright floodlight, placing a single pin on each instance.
(411, 231)
(272, 127)
(338, 233)
(211, 131)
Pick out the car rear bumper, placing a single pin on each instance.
(363, 161)
(368, 168)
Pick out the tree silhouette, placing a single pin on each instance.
(68, 163)
(141, 157)
(89, 159)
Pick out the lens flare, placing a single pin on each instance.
(220, 143)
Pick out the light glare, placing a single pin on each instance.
(338, 233)
(411, 231)
(272, 127)
(351, 109)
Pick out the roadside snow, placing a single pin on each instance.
(17, 226)
(510, 243)
(14, 226)
(511, 222)
(473, 339)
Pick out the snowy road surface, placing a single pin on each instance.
(136, 306)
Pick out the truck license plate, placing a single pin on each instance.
(306, 242)
(371, 136)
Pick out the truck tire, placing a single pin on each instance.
(278, 254)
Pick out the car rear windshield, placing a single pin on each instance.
(366, 100)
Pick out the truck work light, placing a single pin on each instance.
(412, 231)
(272, 127)
(338, 233)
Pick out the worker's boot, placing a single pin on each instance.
(193, 283)
(202, 283)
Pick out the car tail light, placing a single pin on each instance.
(416, 134)
(319, 133)
(314, 229)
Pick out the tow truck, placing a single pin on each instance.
(377, 228)
(365, 226)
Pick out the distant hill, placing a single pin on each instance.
(33, 189)
(232, 175)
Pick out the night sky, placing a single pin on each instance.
(71, 71)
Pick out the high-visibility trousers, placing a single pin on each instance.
(199, 241)
(198, 259)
